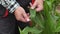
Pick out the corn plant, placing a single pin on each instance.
(45, 22)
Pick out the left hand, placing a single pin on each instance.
(38, 5)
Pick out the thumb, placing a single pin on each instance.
(34, 5)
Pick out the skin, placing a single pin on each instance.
(38, 5)
(21, 15)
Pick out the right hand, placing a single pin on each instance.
(21, 15)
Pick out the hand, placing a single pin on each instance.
(38, 5)
(21, 15)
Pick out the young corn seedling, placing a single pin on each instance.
(44, 22)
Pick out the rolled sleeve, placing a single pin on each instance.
(11, 5)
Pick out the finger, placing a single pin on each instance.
(31, 4)
(26, 17)
(34, 5)
(39, 8)
(22, 18)
(28, 14)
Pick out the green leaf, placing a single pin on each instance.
(29, 29)
(58, 26)
(32, 13)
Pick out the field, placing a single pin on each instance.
(45, 22)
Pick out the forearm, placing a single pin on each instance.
(11, 5)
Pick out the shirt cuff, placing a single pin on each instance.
(13, 7)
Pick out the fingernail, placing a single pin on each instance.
(28, 19)
(32, 7)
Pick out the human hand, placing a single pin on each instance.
(38, 5)
(21, 15)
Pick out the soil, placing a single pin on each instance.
(58, 8)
